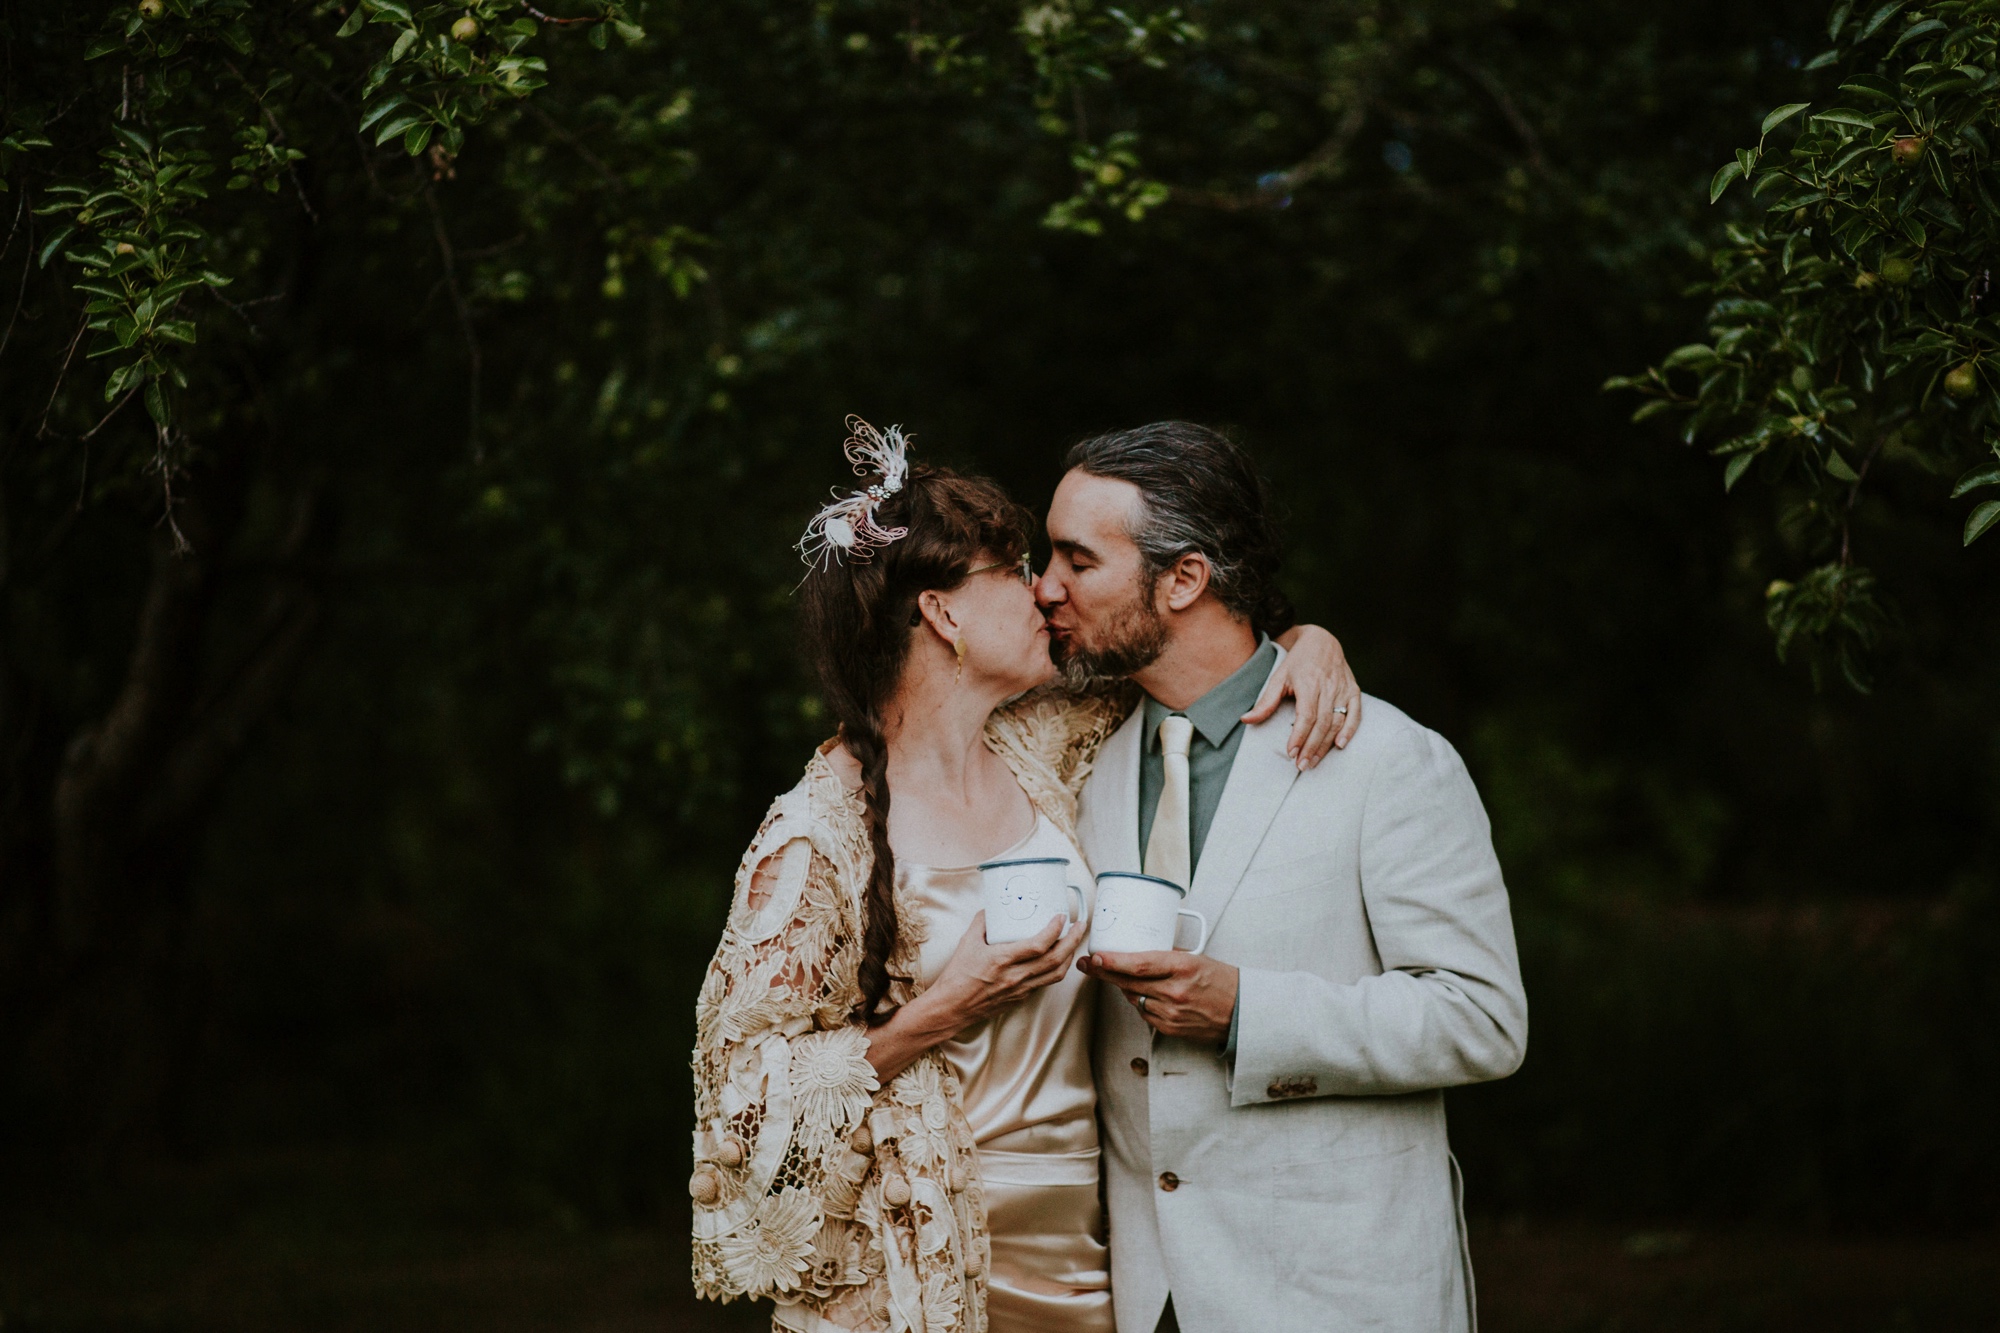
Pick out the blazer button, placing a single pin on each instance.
(1139, 1066)
(1169, 1181)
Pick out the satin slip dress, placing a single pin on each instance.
(1032, 1105)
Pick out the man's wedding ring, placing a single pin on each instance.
(1142, 1004)
(1340, 712)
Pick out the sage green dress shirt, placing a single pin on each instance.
(1218, 730)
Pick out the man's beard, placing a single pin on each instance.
(1133, 641)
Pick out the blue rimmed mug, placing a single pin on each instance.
(1021, 894)
(1140, 914)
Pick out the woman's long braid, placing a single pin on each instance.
(879, 926)
(860, 619)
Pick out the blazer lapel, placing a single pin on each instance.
(1258, 783)
(1111, 816)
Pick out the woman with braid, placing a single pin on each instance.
(895, 1120)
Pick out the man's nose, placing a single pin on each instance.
(1048, 592)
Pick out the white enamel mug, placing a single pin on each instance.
(1021, 895)
(1140, 914)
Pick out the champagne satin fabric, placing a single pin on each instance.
(1032, 1106)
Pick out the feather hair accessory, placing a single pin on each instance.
(846, 529)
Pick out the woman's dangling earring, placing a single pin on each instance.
(958, 647)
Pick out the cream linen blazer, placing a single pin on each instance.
(1311, 1187)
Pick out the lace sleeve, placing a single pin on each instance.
(814, 1186)
(782, 1078)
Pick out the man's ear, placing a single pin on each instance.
(1183, 582)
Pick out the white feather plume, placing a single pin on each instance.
(846, 528)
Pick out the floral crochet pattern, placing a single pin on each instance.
(854, 1207)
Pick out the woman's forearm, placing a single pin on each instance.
(895, 1044)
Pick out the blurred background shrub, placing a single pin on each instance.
(402, 807)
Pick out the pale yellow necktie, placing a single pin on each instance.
(1167, 854)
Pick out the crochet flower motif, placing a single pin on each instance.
(941, 1303)
(921, 1146)
(769, 1252)
(757, 1001)
(832, 1081)
(921, 1084)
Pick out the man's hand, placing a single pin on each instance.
(1186, 994)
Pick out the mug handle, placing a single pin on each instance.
(1201, 943)
(1080, 913)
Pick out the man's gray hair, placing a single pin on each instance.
(1201, 493)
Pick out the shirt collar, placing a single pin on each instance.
(1219, 712)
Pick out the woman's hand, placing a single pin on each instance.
(980, 979)
(1315, 674)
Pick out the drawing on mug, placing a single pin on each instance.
(1017, 900)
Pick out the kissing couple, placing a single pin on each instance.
(910, 1118)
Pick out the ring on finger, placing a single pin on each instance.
(1340, 711)
(1142, 1004)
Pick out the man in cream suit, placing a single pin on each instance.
(1275, 1150)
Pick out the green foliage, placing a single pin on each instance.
(1854, 313)
(139, 253)
(448, 65)
(469, 848)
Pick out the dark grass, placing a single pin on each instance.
(346, 1241)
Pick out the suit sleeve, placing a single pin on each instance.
(1448, 1007)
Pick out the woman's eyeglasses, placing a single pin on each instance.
(1024, 567)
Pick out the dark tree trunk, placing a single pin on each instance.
(96, 899)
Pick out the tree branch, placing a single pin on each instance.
(105, 763)
(1493, 88)
(1273, 190)
(464, 320)
(203, 759)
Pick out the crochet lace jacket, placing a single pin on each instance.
(851, 1205)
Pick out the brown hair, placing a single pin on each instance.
(858, 618)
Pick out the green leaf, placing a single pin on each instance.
(381, 109)
(631, 32)
(54, 243)
(1652, 409)
(1838, 469)
(1872, 85)
(1987, 475)
(156, 404)
(1841, 115)
(1823, 59)
(138, 141)
(1838, 19)
(1878, 18)
(1737, 467)
(396, 126)
(1784, 113)
(121, 379)
(419, 135)
(1980, 519)
(1914, 31)
(403, 45)
(1936, 159)
(354, 22)
(1729, 172)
